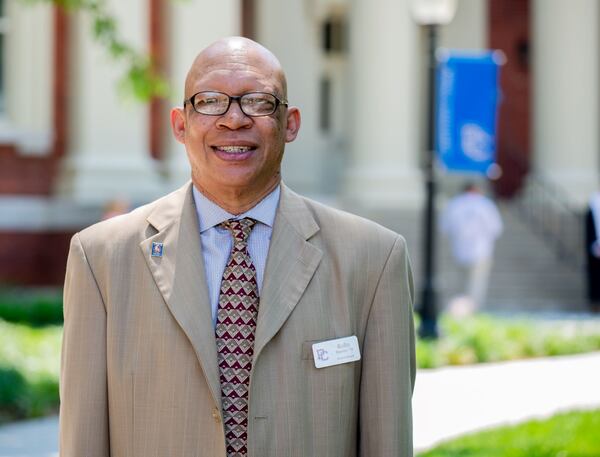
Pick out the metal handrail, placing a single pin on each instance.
(547, 210)
(545, 207)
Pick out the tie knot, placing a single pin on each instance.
(240, 229)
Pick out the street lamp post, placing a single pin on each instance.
(428, 306)
(430, 13)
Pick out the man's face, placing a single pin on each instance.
(234, 152)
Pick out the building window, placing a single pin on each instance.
(3, 31)
(334, 35)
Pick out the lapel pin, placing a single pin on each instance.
(157, 249)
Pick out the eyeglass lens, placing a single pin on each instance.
(251, 104)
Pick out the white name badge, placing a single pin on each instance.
(335, 352)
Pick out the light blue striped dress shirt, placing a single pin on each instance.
(217, 242)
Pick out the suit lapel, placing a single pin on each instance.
(180, 277)
(291, 263)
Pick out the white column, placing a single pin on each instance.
(28, 89)
(108, 146)
(565, 93)
(192, 26)
(384, 67)
(277, 21)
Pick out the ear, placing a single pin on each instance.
(178, 124)
(293, 124)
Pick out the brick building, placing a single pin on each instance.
(70, 143)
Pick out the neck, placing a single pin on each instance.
(238, 202)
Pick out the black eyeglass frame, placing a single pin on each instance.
(238, 99)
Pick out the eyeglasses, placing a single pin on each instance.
(217, 103)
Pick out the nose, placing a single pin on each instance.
(234, 118)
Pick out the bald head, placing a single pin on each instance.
(235, 156)
(236, 54)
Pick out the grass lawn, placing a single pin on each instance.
(575, 434)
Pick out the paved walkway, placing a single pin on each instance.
(36, 438)
(452, 401)
(447, 402)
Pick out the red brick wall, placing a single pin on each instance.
(38, 258)
(509, 31)
(25, 175)
(33, 258)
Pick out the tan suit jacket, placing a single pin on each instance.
(139, 370)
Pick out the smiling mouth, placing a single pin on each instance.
(233, 149)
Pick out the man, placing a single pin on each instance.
(180, 341)
(473, 223)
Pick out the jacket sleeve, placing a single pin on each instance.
(388, 362)
(84, 427)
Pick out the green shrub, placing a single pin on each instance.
(36, 308)
(574, 434)
(13, 394)
(29, 361)
(427, 356)
(43, 398)
(481, 338)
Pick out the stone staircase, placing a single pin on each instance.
(526, 276)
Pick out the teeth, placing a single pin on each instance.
(234, 149)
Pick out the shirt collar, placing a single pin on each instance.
(210, 214)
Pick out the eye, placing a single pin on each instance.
(259, 103)
(210, 102)
(206, 100)
(258, 100)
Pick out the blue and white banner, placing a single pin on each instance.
(467, 110)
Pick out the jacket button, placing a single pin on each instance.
(216, 416)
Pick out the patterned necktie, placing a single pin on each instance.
(236, 323)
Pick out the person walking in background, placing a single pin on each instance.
(592, 248)
(473, 223)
